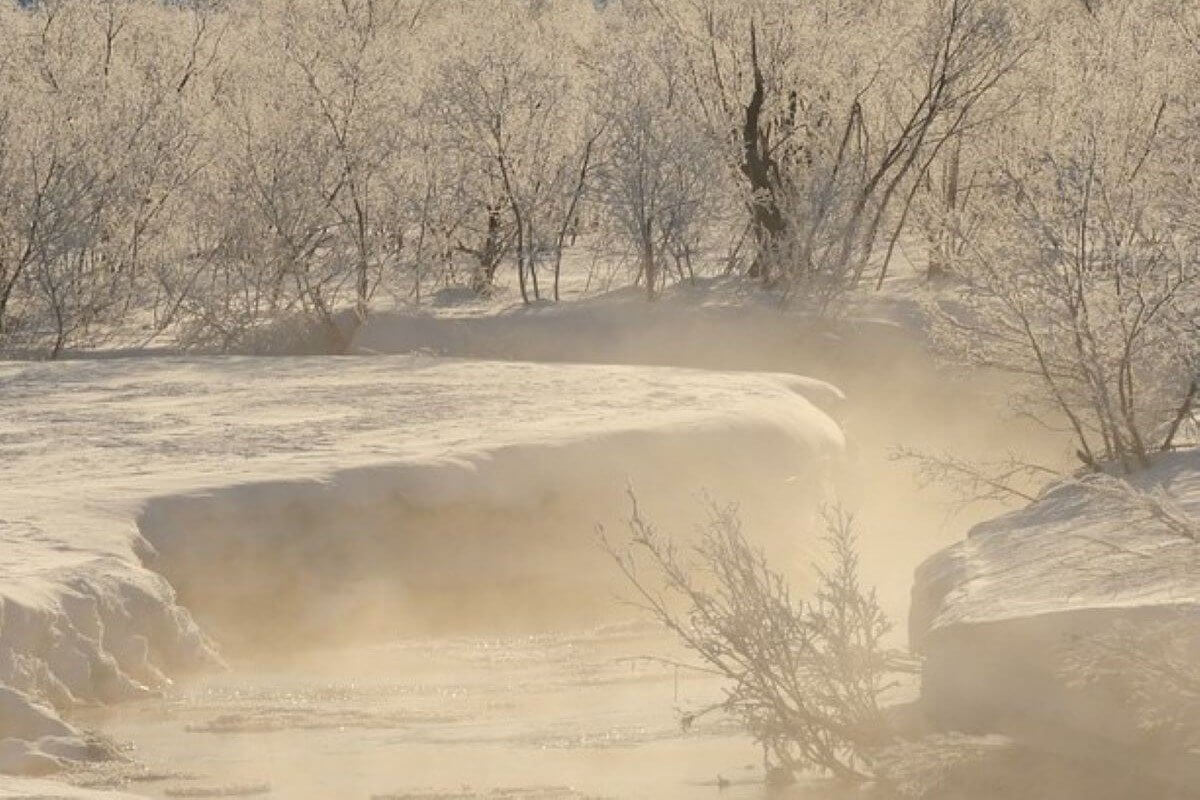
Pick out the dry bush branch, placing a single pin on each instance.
(805, 677)
(1153, 670)
(1004, 480)
(1155, 505)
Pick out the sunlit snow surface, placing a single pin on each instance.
(116, 430)
(1075, 549)
(94, 451)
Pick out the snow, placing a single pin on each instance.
(1074, 549)
(28, 789)
(715, 324)
(18, 715)
(106, 461)
(997, 615)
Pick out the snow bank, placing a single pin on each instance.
(715, 325)
(1075, 549)
(996, 614)
(291, 498)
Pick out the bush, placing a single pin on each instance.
(805, 677)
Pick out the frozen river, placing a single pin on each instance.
(544, 717)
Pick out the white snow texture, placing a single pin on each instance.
(105, 461)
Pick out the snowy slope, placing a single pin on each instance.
(715, 325)
(107, 463)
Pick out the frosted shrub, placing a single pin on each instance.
(805, 677)
(1083, 277)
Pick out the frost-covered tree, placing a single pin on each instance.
(95, 164)
(210, 169)
(829, 113)
(658, 179)
(507, 100)
(1085, 274)
(311, 162)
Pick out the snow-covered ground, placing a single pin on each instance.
(214, 471)
(715, 323)
(292, 502)
(31, 789)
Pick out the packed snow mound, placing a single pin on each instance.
(136, 488)
(1076, 548)
(998, 615)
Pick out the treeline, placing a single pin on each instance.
(206, 168)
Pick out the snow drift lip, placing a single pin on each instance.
(687, 329)
(222, 442)
(500, 539)
(1073, 550)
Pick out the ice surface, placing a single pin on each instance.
(103, 459)
(28, 789)
(508, 716)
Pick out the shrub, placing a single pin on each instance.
(805, 677)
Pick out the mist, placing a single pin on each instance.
(553, 399)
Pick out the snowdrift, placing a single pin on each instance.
(153, 506)
(712, 326)
(995, 614)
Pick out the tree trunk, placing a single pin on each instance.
(531, 260)
(490, 254)
(649, 266)
(571, 218)
(521, 254)
(759, 168)
(942, 248)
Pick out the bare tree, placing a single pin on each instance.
(313, 170)
(94, 171)
(507, 100)
(1087, 283)
(655, 180)
(829, 134)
